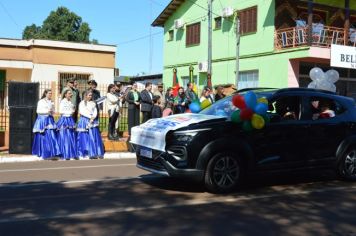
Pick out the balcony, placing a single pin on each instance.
(321, 37)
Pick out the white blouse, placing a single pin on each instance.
(89, 110)
(112, 102)
(45, 107)
(66, 108)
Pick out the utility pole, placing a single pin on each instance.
(209, 42)
(237, 49)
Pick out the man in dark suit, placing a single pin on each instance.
(146, 102)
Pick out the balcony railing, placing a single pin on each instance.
(322, 37)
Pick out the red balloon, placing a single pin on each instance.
(239, 101)
(246, 114)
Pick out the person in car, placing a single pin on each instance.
(326, 112)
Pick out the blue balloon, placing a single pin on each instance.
(261, 108)
(194, 107)
(250, 100)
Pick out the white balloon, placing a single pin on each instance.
(315, 73)
(332, 76)
(312, 85)
(333, 88)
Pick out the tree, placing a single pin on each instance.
(61, 24)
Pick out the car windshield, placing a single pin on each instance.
(225, 108)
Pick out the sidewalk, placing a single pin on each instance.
(10, 158)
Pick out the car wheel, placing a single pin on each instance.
(347, 165)
(223, 173)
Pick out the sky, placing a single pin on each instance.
(126, 24)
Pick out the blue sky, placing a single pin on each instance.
(116, 22)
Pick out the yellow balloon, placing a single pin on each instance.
(195, 88)
(257, 121)
(263, 100)
(204, 104)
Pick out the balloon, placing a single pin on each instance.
(235, 116)
(315, 73)
(239, 101)
(204, 104)
(325, 85)
(266, 118)
(263, 100)
(333, 88)
(261, 108)
(246, 126)
(194, 107)
(312, 85)
(332, 76)
(246, 114)
(250, 99)
(257, 121)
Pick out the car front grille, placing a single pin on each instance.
(150, 163)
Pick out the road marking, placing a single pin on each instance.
(194, 202)
(64, 168)
(70, 182)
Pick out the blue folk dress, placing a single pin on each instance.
(66, 130)
(45, 142)
(89, 142)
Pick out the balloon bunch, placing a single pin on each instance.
(196, 106)
(252, 111)
(324, 81)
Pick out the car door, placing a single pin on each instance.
(280, 144)
(324, 133)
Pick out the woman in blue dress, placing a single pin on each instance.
(66, 127)
(89, 142)
(45, 143)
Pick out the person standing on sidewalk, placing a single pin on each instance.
(45, 142)
(76, 99)
(161, 94)
(146, 102)
(75, 94)
(113, 110)
(89, 142)
(133, 99)
(66, 128)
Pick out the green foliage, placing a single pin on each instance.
(61, 24)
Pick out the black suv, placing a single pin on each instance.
(220, 153)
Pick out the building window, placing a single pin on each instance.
(186, 79)
(170, 35)
(193, 34)
(248, 79)
(217, 21)
(82, 80)
(248, 20)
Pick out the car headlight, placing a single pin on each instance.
(187, 135)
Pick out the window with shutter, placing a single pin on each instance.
(248, 20)
(192, 34)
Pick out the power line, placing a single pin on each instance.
(8, 14)
(140, 38)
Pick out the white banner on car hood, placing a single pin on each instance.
(152, 134)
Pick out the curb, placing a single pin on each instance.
(30, 158)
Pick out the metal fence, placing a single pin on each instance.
(56, 97)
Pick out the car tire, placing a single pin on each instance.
(223, 173)
(346, 167)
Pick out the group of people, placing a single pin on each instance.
(67, 138)
(160, 103)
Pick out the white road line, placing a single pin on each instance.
(70, 182)
(108, 212)
(64, 168)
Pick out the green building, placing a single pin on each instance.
(280, 41)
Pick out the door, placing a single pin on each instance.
(281, 143)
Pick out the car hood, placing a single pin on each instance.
(152, 134)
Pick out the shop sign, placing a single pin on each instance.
(343, 56)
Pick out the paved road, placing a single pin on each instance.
(113, 197)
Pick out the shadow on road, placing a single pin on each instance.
(142, 207)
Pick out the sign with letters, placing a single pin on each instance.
(343, 56)
(152, 133)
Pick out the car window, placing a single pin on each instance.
(286, 108)
(324, 108)
(223, 107)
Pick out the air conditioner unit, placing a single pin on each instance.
(203, 66)
(179, 23)
(227, 12)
